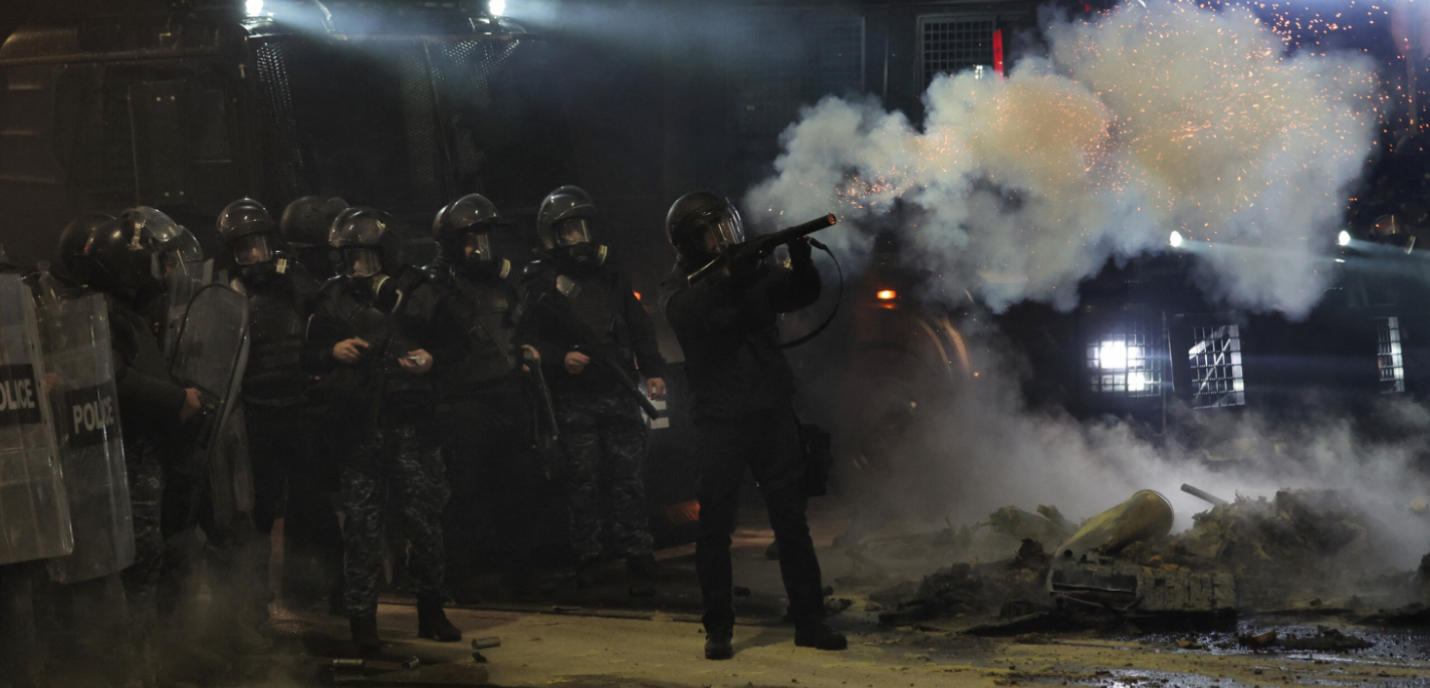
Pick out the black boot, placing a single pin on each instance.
(818, 634)
(717, 644)
(365, 635)
(432, 622)
(644, 568)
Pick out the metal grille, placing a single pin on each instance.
(467, 74)
(419, 117)
(277, 102)
(1388, 355)
(1215, 359)
(1123, 361)
(952, 43)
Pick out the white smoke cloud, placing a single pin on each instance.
(1142, 121)
(981, 448)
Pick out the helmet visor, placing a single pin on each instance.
(252, 250)
(478, 246)
(721, 228)
(572, 231)
(362, 262)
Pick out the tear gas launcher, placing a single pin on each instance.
(760, 246)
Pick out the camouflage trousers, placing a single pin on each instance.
(397, 461)
(604, 436)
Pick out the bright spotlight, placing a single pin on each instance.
(253, 8)
(1137, 382)
(1112, 355)
(1176, 239)
(496, 7)
(1344, 238)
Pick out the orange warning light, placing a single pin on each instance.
(886, 294)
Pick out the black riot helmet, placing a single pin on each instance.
(366, 241)
(73, 239)
(564, 224)
(463, 231)
(248, 234)
(307, 220)
(174, 244)
(700, 225)
(124, 260)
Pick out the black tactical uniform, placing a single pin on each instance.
(149, 408)
(744, 416)
(284, 442)
(602, 427)
(486, 405)
(388, 412)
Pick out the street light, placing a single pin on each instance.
(1176, 239)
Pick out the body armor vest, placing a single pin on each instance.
(274, 375)
(492, 332)
(593, 302)
(387, 342)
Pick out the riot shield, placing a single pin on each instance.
(74, 336)
(210, 353)
(34, 508)
(186, 279)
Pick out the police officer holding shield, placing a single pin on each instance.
(125, 266)
(283, 437)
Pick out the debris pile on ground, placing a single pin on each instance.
(1279, 554)
(1010, 587)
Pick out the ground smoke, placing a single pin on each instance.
(1139, 122)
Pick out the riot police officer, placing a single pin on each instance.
(379, 330)
(744, 416)
(486, 403)
(282, 438)
(584, 318)
(304, 230)
(125, 266)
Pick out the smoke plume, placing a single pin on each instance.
(1136, 123)
(981, 448)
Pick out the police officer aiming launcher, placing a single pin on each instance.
(726, 322)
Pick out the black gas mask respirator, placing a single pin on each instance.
(572, 239)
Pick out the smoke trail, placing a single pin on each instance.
(1137, 123)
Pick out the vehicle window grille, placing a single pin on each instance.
(949, 44)
(1388, 355)
(1124, 361)
(1215, 360)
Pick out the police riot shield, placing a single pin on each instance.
(74, 336)
(34, 508)
(210, 353)
(183, 281)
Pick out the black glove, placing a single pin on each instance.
(800, 250)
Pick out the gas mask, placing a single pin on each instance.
(572, 238)
(361, 263)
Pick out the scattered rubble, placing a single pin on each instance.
(1274, 555)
